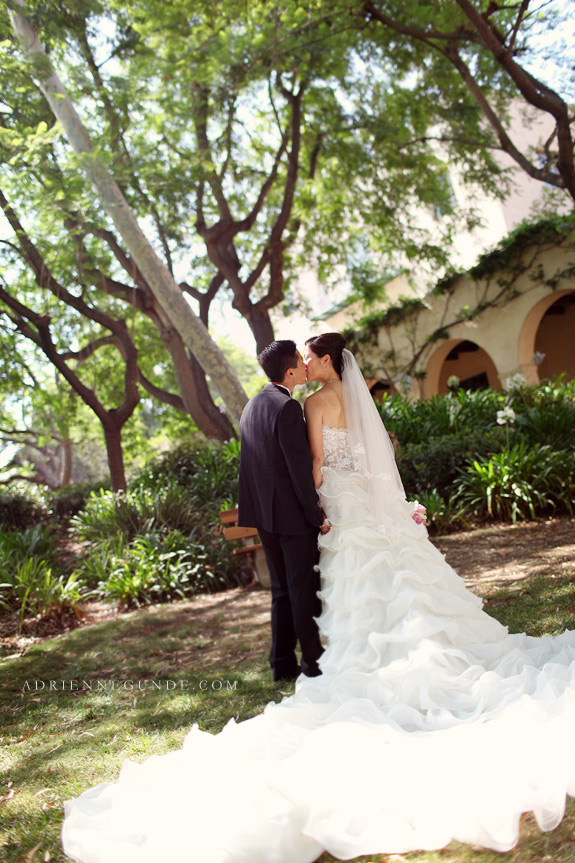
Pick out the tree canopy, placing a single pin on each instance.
(246, 142)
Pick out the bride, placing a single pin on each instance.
(429, 722)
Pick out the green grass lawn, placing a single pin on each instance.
(56, 743)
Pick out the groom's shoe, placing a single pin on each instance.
(287, 675)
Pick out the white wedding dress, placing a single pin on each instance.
(430, 723)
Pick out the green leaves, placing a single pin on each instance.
(513, 484)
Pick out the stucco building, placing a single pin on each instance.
(513, 313)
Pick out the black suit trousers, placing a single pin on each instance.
(295, 603)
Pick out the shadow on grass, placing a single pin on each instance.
(545, 605)
(168, 642)
(62, 742)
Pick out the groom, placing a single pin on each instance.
(277, 496)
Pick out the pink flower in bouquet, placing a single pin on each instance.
(419, 513)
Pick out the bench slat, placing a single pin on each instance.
(248, 549)
(229, 516)
(239, 532)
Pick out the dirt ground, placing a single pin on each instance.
(494, 556)
(502, 554)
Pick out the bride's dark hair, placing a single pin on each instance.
(329, 343)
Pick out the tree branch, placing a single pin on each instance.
(484, 32)
(517, 25)
(375, 14)
(534, 91)
(200, 117)
(161, 394)
(276, 245)
(88, 349)
(505, 141)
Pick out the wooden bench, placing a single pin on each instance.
(251, 549)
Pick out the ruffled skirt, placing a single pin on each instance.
(430, 723)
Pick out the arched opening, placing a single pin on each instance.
(465, 360)
(379, 387)
(555, 339)
(550, 333)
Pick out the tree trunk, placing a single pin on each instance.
(261, 327)
(193, 332)
(66, 464)
(194, 389)
(113, 437)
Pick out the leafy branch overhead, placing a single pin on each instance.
(470, 36)
(234, 146)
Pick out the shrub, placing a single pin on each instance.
(440, 416)
(29, 580)
(155, 568)
(34, 588)
(443, 437)
(69, 500)
(444, 514)
(21, 507)
(37, 541)
(139, 511)
(513, 484)
(561, 480)
(153, 544)
(209, 472)
(436, 463)
(552, 424)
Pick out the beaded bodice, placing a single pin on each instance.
(337, 451)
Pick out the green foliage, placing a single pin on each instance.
(30, 582)
(458, 461)
(546, 413)
(139, 511)
(71, 499)
(160, 540)
(435, 463)
(525, 234)
(21, 507)
(440, 416)
(443, 514)
(152, 568)
(33, 588)
(506, 255)
(392, 315)
(209, 471)
(36, 541)
(516, 484)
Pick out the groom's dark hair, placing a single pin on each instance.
(277, 358)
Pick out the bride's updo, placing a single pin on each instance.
(329, 343)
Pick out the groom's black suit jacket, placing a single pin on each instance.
(276, 488)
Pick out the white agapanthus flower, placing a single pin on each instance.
(515, 382)
(452, 382)
(505, 416)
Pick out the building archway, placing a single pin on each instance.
(379, 387)
(465, 359)
(548, 329)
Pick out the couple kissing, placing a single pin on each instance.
(280, 471)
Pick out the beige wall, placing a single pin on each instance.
(508, 333)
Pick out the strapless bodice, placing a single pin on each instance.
(337, 451)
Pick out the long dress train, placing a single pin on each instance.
(430, 723)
